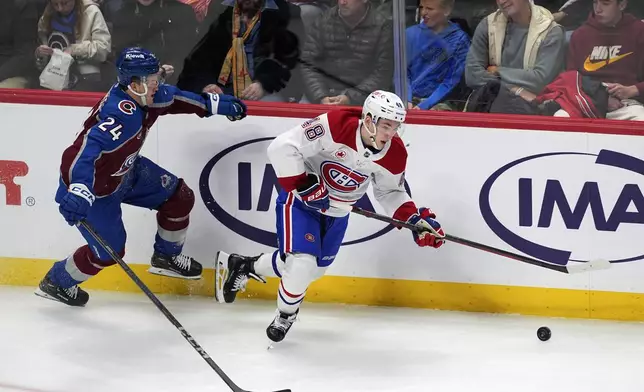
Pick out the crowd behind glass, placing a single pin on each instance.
(575, 58)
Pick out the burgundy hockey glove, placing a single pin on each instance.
(314, 193)
(425, 219)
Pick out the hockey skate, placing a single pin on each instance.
(280, 326)
(73, 296)
(180, 266)
(231, 275)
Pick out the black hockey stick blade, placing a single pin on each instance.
(163, 309)
(567, 269)
(243, 390)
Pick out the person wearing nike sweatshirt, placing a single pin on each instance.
(436, 53)
(610, 47)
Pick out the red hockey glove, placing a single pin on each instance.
(434, 235)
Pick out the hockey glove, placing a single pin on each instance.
(227, 105)
(314, 193)
(425, 219)
(74, 206)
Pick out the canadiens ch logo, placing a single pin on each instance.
(125, 167)
(340, 178)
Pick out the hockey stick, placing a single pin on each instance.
(568, 269)
(164, 310)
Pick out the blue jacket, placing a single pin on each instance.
(435, 62)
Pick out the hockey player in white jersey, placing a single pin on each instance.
(324, 166)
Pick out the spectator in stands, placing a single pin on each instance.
(248, 52)
(200, 8)
(168, 28)
(310, 11)
(521, 45)
(109, 8)
(17, 39)
(78, 28)
(573, 13)
(436, 54)
(610, 47)
(348, 53)
(206, 12)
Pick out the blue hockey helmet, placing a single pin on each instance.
(135, 63)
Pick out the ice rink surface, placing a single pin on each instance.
(121, 342)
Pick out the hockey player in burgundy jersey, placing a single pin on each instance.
(102, 169)
(324, 166)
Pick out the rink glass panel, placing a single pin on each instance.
(336, 64)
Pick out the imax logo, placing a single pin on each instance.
(267, 185)
(570, 200)
(590, 197)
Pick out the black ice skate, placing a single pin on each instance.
(280, 326)
(73, 296)
(232, 273)
(180, 266)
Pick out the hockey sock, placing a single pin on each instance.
(288, 302)
(173, 218)
(299, 271)
(269, 264)
(59, 275)
(166, 247)
(78, 267)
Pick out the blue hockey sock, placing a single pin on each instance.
(166, 247)
(60, 277)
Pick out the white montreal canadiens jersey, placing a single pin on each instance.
(330, 146)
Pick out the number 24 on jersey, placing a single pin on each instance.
(108, 126)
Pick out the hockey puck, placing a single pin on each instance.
(544, 333)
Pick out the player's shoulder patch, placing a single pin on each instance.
(309, 122)
(127, 107)
(123, 108)
(343, 124)
(313, 129)
(395, 160)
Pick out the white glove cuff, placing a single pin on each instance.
(82, 191)
(214, 102)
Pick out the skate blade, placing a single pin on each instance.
(170, 274)
(272, 345)
(221, 274)
(42, 294)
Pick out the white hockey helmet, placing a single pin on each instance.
(383, 104)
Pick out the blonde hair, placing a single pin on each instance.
(446, 4)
